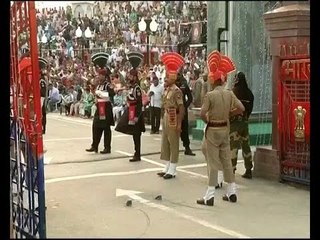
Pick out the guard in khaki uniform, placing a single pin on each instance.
(217, 106)
(173, 115)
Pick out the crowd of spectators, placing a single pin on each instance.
(114, 29)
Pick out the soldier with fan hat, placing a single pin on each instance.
(217, 106)
(103, 117)
(173, 115)
(43, 64)
(132, 120)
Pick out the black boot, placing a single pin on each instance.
(135, 159)
(168, 176)
(161, 174)
(247, 174)
(189, 152)
(209, 202)
(232, 198)
(105, 151)
(92, 149)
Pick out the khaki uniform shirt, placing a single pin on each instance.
(218, 104)
(205, 88)
(172, 97)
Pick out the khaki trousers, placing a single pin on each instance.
(169, 142)
(216, 149)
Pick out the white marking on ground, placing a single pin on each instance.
(133, 195)
(178, 168)
(62, 179)
(81, 138)
(47, 160)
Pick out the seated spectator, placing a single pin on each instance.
(118, 106)
(74, 109)
(69, 99)
(88, 102)
(53, 97)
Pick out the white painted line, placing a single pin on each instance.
(83, 138)
(178, 168)
(133, 195)
(47, 160)
(142, 158)
(193, 166)
(66, 139)
(62, 179)
(88, 124)
(162, 165)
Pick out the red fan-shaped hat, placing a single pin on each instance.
(213, 61)
(219, 66)
(173, 62)
(226, 65)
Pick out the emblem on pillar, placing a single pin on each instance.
(299, 130)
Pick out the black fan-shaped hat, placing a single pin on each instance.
(42, 63)
(135, 58)
(100, 59)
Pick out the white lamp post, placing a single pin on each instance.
(142, 25)
(153, 25)
(44, 40)
(78, 32)
(87, 33)
(149, 26)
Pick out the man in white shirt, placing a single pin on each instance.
(155, 93)
(53, 97)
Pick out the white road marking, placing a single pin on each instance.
(178, 168)
(88, 124)
(133, 195)
(62, 179)
(193, 166)
(66, 139)
(81, 138)
(47, 160)
(142, 158)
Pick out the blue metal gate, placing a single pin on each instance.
(28, 218)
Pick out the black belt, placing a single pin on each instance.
(217, 124)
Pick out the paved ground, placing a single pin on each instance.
(86, 193)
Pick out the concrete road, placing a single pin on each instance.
(86, 193)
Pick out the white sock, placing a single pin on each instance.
(220, 177)
(166, 168)
(209, 193)
(172, 169)
(231, 189)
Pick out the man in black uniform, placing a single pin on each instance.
(103, 117)
(183, 85)
(132, 121)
